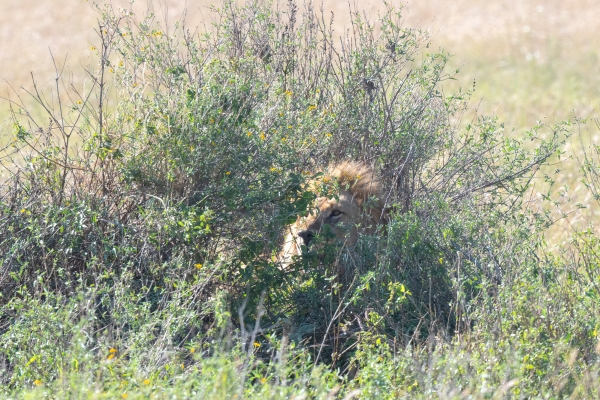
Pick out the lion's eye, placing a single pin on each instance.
(335, 213)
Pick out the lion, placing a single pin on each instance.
(357, 207)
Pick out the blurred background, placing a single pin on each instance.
(530, 60)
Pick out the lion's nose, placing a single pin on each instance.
(306, 236)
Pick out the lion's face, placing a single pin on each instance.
(341, 213)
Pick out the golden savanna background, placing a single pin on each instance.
(531, 60)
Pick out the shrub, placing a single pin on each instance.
(139, 239)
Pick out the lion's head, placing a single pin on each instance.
(355, 207)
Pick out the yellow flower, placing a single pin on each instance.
(93, 48)
(124, 395)
(262, 136)
(249, 134)
(290, 127)
(228, 172)
(192, 350)
(283, 139)
(212, 120)
(146, 381)
(312, 107)
(79, 101)
(288, 92)
(112, 350)
(110, 357)
(120, 63)
(200, 265)
(263, 380)
(112, 70)
(281, 114)
(124, 34)
(37, 382)
(256, 344)
(328, 134)
(23, 210)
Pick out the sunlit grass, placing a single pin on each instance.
(531, 62)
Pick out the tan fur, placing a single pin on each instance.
(357, 183)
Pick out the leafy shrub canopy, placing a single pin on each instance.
(139, 238)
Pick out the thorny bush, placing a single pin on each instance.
(146, 216)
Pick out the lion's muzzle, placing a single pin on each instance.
(306, 236)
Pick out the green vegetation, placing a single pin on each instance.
(139, 240)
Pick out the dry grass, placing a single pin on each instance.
(531, 60)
